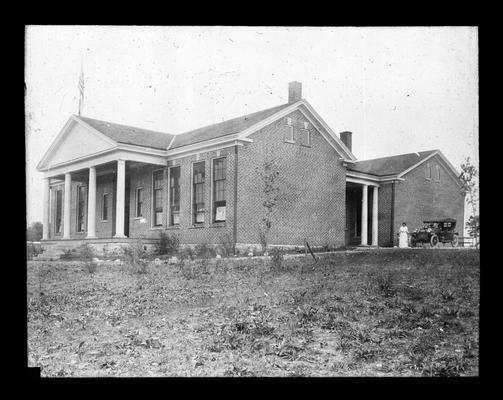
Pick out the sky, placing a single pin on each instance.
(398, 89)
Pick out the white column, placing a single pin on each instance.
(375, 199)
(45, 221)
(66, 206)
(364, 215)
(91, 205)
(120, 203)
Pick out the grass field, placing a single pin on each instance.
(380, 313)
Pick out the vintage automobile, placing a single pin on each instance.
(434, 231)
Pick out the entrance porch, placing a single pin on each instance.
(362, 203)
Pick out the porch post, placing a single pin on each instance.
(66, 207)
(120, 203)
(375, 199)
(91, 205)
(45, 221)
(364, 232)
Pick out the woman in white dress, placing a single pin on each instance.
(403, 236)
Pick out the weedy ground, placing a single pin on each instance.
(399, 312)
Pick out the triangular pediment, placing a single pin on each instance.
(76, 140)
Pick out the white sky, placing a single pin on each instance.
(398, 90)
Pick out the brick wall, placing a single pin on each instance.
(189, 233)
(417, 198)
(208, 232)
(384, 215)
(311, 202)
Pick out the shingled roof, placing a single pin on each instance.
(129, 134)
(393, 165)
(224, 128)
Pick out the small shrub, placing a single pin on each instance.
(228, 245)
(32, 251)
(187, 253)
(203, 250)
(67, 255)
(385, 284)
(277, 256)
(86, 253)
(136, 256)
(168, 244)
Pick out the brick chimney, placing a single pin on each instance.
(346, 138)
(294, 92)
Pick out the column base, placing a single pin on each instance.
(91, 237)
(120, 237)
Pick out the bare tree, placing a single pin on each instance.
(268, 173)
(469, 189)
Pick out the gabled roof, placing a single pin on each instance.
(129, 134)
(393, 165)
(229, 127)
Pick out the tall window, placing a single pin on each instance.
(306, 137)
(437, 167)
(104, 208)
(219, 176)
(81, 210)
(139, 202)
(289, 131)
(198, 192)
(428, 171)
(157, 197)
(59, 207)
(174, 196)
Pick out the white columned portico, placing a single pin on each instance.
(45, 221)
(66, 206)
(375, 199)
(120, 203)
(91, 205)
(364, 232)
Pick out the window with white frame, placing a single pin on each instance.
(306, 135)
(219, 186)
(198, 178)
(174, 196)
(157, 178)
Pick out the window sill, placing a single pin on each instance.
(137, 218)
(173, 227)
(218, 224)
(156, 228)
(305, 145)
(196, 226)
(289, 141)
(104, 220)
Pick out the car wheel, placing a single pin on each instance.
(455, 241)
(434, 241)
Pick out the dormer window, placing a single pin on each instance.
(289, 138)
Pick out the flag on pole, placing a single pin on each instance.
(81, 90)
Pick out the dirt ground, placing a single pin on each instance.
(400, 312)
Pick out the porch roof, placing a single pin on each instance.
(392, 165)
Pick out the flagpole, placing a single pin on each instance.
(81, 88)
